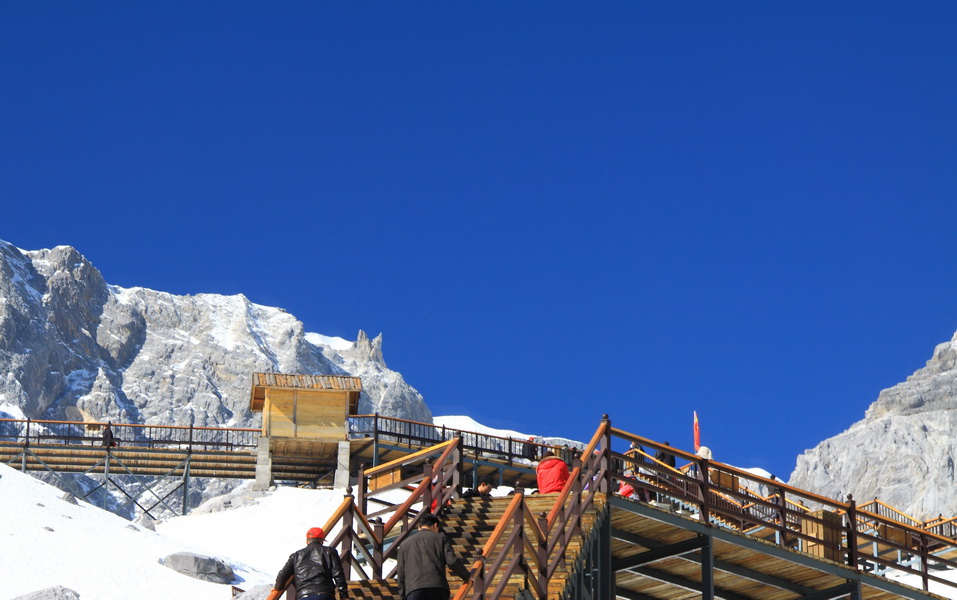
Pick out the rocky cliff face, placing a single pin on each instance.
(73, 347)
(904, 449)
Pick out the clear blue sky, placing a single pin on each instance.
(550, 210)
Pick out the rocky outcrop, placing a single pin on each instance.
(904, 449)
(57, 592)
(206, 568)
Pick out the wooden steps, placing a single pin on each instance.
(469, 522)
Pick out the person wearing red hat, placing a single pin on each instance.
(316, 570)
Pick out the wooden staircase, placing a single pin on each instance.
(469, 522)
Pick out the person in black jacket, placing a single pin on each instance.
(314, 569)
(108, 438)
(666, 457)
(483, 490)
(422, 559)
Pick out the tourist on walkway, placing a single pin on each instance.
(483, 490)
(552, 473)
(316, 570)
(108, 440)
(422, 560)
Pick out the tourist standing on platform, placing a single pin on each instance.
(108, 439)
(665, 457)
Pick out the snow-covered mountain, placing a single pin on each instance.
(904, 449)
(73, 347)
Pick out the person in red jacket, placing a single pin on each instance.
(552, 473)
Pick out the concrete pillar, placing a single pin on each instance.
(263, 465)
(343, 478)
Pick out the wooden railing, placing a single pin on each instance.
(799, 519)
(426, 478)
(877, 507)
(414, 433)
(517, 546)
(941, 526)
(536, 548)
(26, 432)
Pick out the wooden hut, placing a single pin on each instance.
(304, 415)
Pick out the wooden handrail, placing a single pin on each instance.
(888, 507)
(601, 432)
(132, 425)
(441, 427)
(409, 459)
(502, 526)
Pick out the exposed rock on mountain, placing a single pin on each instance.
(73, 347)
(904, 449)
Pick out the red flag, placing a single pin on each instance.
(697, 432)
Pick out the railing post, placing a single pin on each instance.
(851, 532)
(459, 466)
(378, 550)
(606, 462)
(479, 585)
(542, 551)
(189, 456)
(427, 497)
(348, 518)
(782, 517)
(923, 561)
(703, 467)
(363, 489)
(26, 438)
(375, 440)
(518, 545)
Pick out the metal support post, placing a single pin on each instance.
(707, 569)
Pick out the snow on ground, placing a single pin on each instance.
(464, 423)
(46, 541)
(336, 343)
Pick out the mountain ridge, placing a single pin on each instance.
(903, 451)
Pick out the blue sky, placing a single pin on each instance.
(550, 210)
